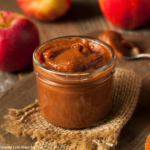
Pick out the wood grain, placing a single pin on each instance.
(64, 26)
(25, 95)
(133, 135)
(83, 17)
(7, 80)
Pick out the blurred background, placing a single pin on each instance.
(84, 17)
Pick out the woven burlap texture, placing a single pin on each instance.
(104, 136)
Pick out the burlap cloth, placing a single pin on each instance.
(101, 137)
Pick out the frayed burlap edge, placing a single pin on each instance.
(29, 121)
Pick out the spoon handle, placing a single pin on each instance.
(143, 56)
(138, 56)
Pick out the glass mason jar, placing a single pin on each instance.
(75, 100)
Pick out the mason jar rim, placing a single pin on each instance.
(99, 70)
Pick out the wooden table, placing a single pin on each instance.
(83, 18)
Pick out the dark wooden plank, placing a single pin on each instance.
(25, 95)
(1, 5)
(7, 80)
(24, 72)
(89, 16)
(134, 134)
(64, 26)
(85, 16)
(5, 84)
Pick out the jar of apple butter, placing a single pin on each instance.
(74, 81)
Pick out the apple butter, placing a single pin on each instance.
(121, 46)
(74, 81)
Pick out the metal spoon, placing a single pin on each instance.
(139, 56)
(136, 55)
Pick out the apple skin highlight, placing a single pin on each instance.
(126, 14)
(18, 39)
(45, 10)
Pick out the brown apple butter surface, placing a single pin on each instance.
(72, 91)
(73, 55)
(121, 46)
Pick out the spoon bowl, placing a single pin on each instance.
(134, 54)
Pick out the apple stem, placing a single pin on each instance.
(5, 25)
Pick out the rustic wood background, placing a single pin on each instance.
(83, 18)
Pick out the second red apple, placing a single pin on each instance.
(126, 14)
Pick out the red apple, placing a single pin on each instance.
(46, 10)
(126, 14)
(18, 39)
